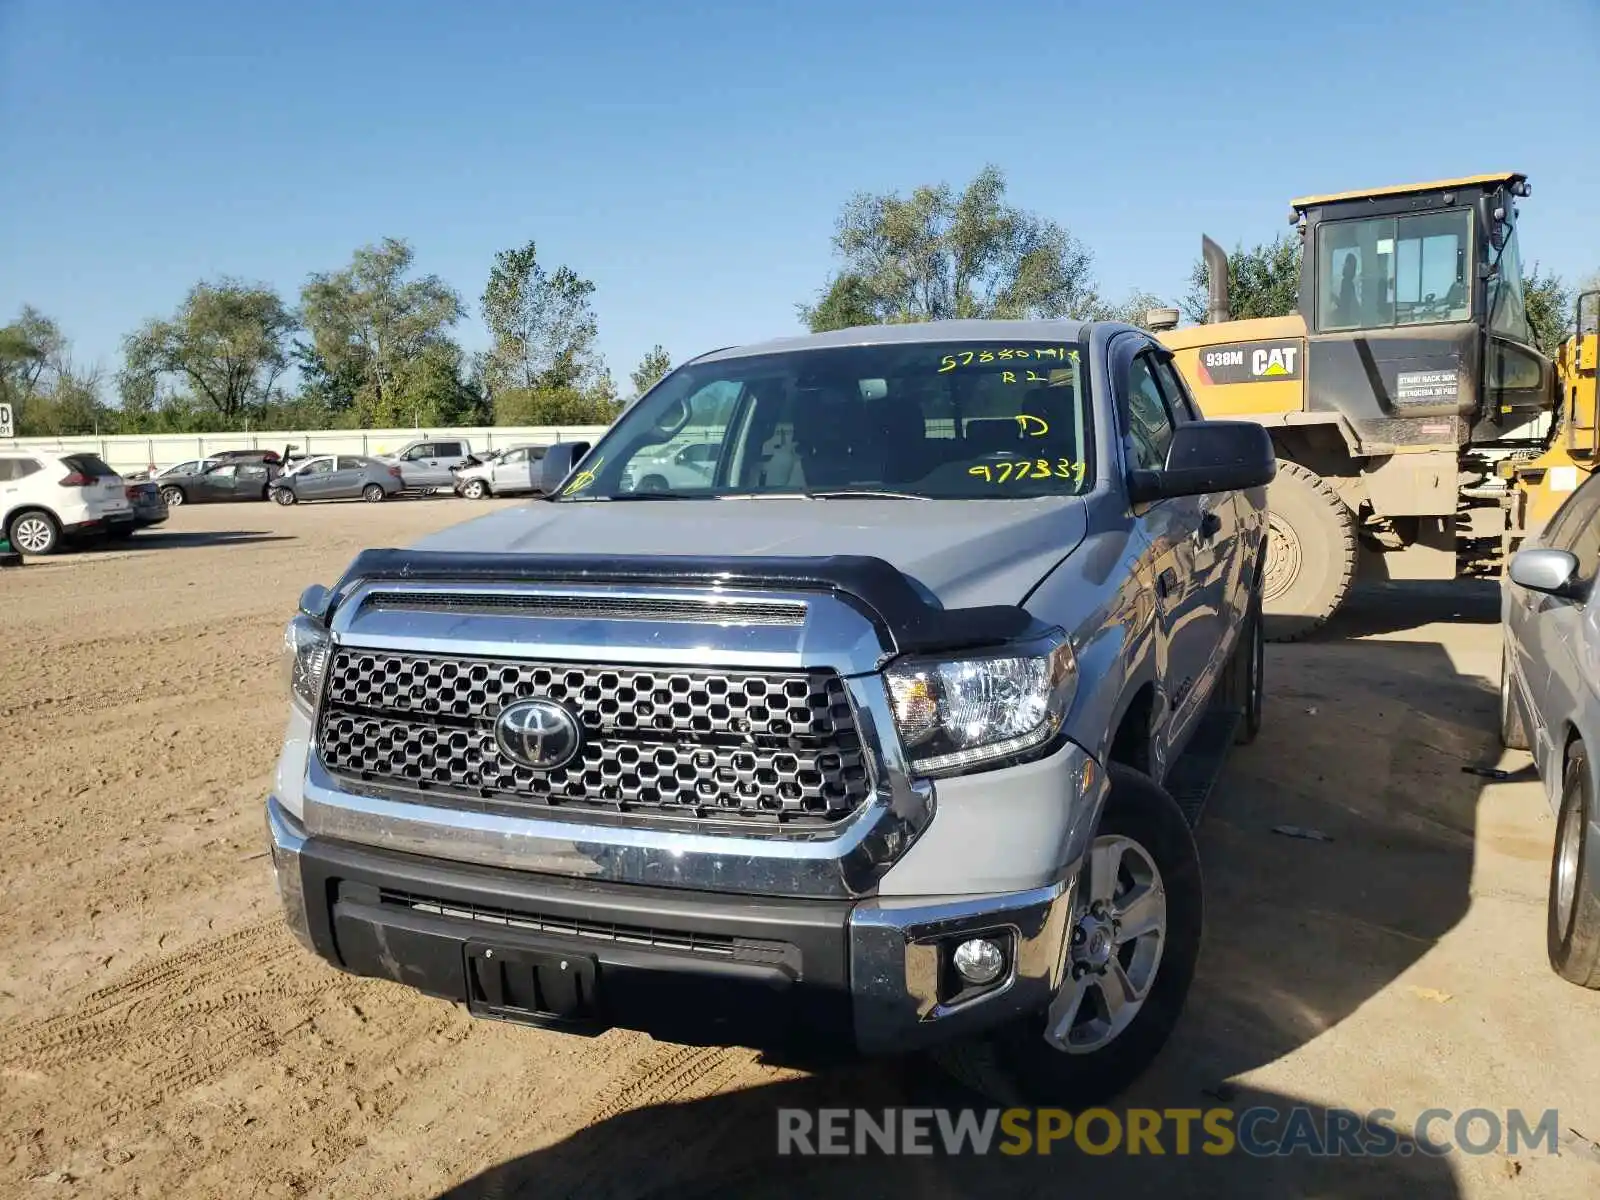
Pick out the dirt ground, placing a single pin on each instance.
(161, 1035)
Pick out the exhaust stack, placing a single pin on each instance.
(1216, 260)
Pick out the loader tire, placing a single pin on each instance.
(1311, 553)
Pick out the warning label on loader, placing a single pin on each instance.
(1415, 386)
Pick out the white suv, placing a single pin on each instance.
(47, 497)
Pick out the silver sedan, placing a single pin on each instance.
(1550, 704)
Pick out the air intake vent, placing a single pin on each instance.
(701, 611)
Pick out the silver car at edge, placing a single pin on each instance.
(1550, 705)
(339, 477)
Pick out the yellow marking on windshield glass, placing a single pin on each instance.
(583, 479)
(1037, 468)
(1032, 426)
(967, 358)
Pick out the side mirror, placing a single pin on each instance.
(560, 461)
(1553, 572)
(1209, 456)
(314, 601)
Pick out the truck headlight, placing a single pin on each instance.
(964, 714)
(306, 642)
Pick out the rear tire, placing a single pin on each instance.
(1311, 553)
(372, 493)
(1148, 826)
(34, 533)
(1513, 731)
(1573, 938)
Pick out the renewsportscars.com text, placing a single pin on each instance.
(1260, 1131)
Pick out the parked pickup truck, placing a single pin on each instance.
(889, 733)
(429, 464)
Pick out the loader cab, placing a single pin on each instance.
(1415, 314)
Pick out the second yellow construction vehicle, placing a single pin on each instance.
(1420, 432)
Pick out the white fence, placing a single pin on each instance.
(136, 452)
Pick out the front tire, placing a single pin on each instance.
(372, 493)
(1513, 732)
(34, 533)
(1573, 925)
(284, 496)
(1135, 939)
(474, 489)
(173, 496)
(1311, 553)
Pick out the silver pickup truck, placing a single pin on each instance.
(886, 732)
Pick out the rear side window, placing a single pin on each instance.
(91, 465)
(351, 464)
(448, 450)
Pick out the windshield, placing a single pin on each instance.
(991, 420)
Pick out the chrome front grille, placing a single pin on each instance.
(774, 746)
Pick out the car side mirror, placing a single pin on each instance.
(560, 461)
(1552, 572)
(1209, 456)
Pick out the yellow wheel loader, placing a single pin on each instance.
(1420, 433)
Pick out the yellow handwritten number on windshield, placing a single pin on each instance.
(1033, 426)
(1036, 469)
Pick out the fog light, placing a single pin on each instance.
(979, 961)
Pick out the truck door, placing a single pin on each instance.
(1186, 621)
(510, 472)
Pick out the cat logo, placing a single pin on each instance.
(1277, 361)
(1251, 362)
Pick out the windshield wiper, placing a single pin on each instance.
(863, 493)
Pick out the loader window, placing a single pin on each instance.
(1508, 312)
(1387, 271)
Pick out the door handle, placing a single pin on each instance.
(1166, 583)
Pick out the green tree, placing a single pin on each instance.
(652, 368)
(1263, 281)
(383, 338)
(1548, 302)
(32, 355)
(940, 254)
(541, 324)
(227, 345)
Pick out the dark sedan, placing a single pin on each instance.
(239, 480)
(149, 505)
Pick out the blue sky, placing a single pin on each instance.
(691, 158)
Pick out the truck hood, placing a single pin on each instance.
(965, 552)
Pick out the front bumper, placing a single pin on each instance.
(806, 976)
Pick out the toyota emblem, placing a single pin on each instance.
(537, 733)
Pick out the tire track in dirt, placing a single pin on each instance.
(177, 1022)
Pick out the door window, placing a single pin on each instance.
(537, 453)
(425, 450)
(1576, 527)
(317, 466)
(227, 472)
(1149, 422)
(350, 464)
(448, 450)
(512, 457)
(1177, 395)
